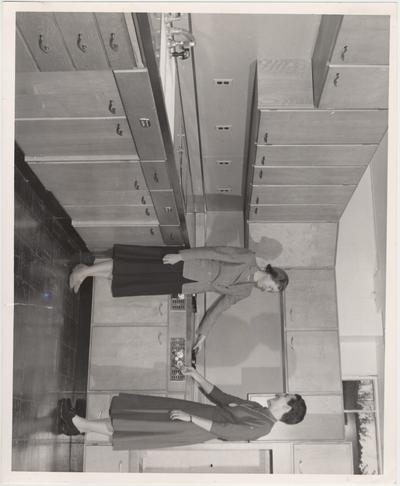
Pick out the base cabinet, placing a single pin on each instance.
(102, 458)
(332, 458)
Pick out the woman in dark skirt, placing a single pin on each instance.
(142, 270)
(148, 422)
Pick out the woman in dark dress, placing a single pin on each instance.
(139, 270)
(148, 422)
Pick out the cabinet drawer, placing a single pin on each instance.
(313, 362)
(89, 178)
(128, 358)
(82, 40)
(102, 458)
(323, 458)
(302, 194)
(356, 87)
(127, 310)
(296, 212)
(165, 207)
(103, 237)
(310, 300)
(44, 40)
(308, 175)
(322, 126)
(172, 235)
(362, 39)
(116, 41)
(140, 108)
(293, 155)
(67, 94)
(156, 175)
(75, 137)
(24, 61)
(112, 214)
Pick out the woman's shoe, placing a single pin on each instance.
(67, 413)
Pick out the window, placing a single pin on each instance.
(362, 423)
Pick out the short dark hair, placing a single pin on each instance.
(279, 276)
(297, 412)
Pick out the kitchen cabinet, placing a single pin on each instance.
(310, 299)
(291, 194)
(296, 212)
(140, 215)
(331, 458)
(313, 362)
(102, 458)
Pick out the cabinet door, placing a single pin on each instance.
(324, 420)
(310, 300)
(128, 358)
(308, 175)
(114, 33)
(44, 40)
(362, 39)
(322, 126)
(128, 310)
(172, 235)
(307, 155)
(67, 94)
(356, 87)
(102, 458)
(332, 194)
(80, 137)
(296, 212)
(313, 361)
(323, 458)
(99, 237)
(82, 40)
(125, 214)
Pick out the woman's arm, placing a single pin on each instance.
(230, 254)
(198, 378)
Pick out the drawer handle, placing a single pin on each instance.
(260, 175)
(42, 45)
(136, 185)
(111, 107)
(266, 137)
(114, 46)
(147, 211)
(343, 53)
(300, 463)
(119, 130)
(152, 231)
(159, 336)
(168, 209)
(255, 210)
(291, 314)
(257, 200)
(81, 46)
(155, 177)
(292, 343)
(143, 200)
(335, 81)
(172, 236)
(263, 157)
(120, 464)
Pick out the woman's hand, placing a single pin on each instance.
(199, 343)
(180, 415)
(189, 371)
(172, 258)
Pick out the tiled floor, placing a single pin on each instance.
(51, 331)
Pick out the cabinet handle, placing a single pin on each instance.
(257, 200)
(113, 45)
(255, 210)
(152, 231)
(119, 130)
(147, 211)
(111, 107)
(260, 175)
(335, 81)
(155, 177)
(120, 464)
(300, 463)
(159, 337)
(266, 137)
(172, 236)
(291, 314)
(160, 308)
(80, 44)
(263, 157)
(143, 200)
(42, 45)
(292, 343)
(137, 186)
(343, 53)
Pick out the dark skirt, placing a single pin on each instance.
(143, 422)
(139, 270)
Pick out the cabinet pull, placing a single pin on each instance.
(143, 200)
(260, 175)
(335, 81)
(155, 177)
(172, 236)
(147, 211)
(80, 44)
(119, 130)
(160, 309)
(291, 314)
(255, 210)
(263, 159)
(343, 53)
(136, 185)
(42, 45)
(120, 464)
(152, 231)
(113, 45)
(111, 107)
(159, 337)
(266, 137)
(257, 200)
(292, 343)
(300, 463)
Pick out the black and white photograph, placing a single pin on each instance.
(198, 212)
